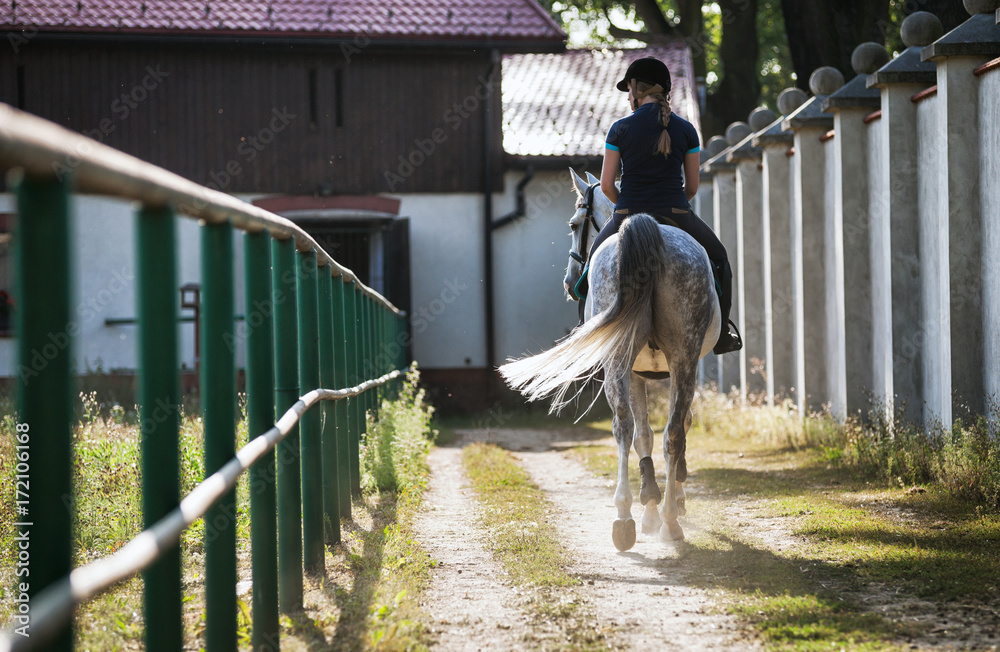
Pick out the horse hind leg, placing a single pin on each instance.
(681, 506)
(649, 491)
(617, 389)
(674, 445)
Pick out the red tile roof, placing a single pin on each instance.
(492, 20)
(563, 104)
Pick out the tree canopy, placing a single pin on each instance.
(748, 51)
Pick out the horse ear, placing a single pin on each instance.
(591, 179)
(578, 183)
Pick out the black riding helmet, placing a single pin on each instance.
(649, 70)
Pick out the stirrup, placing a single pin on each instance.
(729, 341)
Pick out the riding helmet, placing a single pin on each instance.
(649, 70)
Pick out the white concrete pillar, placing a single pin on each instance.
(849, 106)
(933, 335)
(725, 226)
(776, 144)
(750, 241)
(989, 192)
(815, 343)
(896, 255)
(833, 260)
(755, 243)
(704, 207)
(957, 55)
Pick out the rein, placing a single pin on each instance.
(581, 255)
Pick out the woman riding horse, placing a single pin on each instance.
(651, 147)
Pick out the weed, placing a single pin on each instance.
(393, 453)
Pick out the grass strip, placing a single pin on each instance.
(521, 539)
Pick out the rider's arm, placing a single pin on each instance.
(691, 174)
(612, 163)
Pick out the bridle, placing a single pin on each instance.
(588, 203)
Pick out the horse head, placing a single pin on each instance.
(593, 210)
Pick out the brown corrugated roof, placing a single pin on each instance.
(563, 104)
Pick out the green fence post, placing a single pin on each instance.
(159, 398)
(218, 404)
(356, 405)
(310, 434)
(363, 358)
(383, 347)
(286, 393)
(370, 370)
(260, 417)
(340, 408)
(44, 407)
(327, 379)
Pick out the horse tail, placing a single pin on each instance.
(611, 335)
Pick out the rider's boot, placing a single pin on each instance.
(729, 338)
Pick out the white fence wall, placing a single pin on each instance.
(892, 234)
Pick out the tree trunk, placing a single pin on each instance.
(692, 27)
(654, 19)
(825, 32)
(739, 87)
(952, 13)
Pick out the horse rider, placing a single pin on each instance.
(651, 147)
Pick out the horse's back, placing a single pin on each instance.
(686, 305)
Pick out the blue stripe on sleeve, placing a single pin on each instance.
(694, 150)
(611, 147)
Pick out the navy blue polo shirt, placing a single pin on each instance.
(650, 181)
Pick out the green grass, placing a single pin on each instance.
(857, 533)
(520, 537)
(369, 596)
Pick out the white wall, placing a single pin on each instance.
(446, 267)
(530, 258)
(103, 285)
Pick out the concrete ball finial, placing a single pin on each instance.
(981, 6)
(869, 57)
(715, 145)
(921, 28)
(761, 117)
(825, 80)
(737, 132)
(791, 99)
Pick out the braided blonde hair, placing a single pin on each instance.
(641, 90)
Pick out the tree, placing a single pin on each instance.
(825, 32)
(748, 51)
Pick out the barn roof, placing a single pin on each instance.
(563, 104)
(378, 20)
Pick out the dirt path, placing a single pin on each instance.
(640, 597)
(470, 605)
(641, 593)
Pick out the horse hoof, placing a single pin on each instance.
(681, 510)
(671, 532)
(623, 534)
(651, 521)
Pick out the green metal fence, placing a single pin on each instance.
(310, 325)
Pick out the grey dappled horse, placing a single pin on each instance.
(649, 285)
